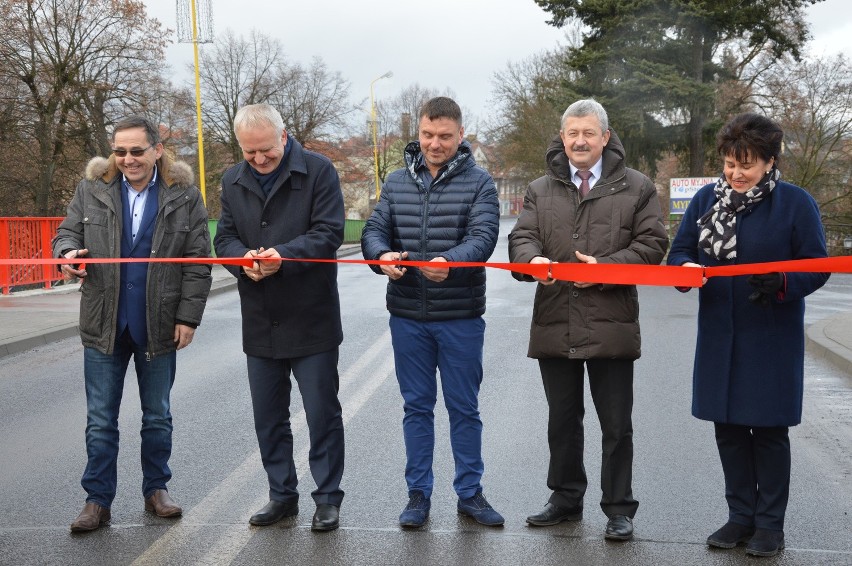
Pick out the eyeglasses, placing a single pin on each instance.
(135, 152)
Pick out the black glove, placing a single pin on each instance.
(766, 286)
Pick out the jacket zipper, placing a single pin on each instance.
(423, 227)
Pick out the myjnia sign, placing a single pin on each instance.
(682, 189)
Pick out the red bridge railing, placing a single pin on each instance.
(27, 238)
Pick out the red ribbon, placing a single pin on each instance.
(613, 273)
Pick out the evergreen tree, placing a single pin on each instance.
(655, 64)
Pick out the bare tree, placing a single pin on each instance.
(236, 72)
(17, 175)
(812, 100)
(71, 56)
(529, 100)
(313, 100)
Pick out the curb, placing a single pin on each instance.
(36, 339)
(820, 345)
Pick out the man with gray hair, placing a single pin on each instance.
(588, 208)
(285, 201)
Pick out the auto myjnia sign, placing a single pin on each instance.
(682, 189)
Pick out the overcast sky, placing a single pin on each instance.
(440, 44)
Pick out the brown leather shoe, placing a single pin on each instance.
(161, 503)
(90, 518)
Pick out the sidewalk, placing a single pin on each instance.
(34, 318)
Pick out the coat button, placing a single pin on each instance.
(575, 236)
(264, 224)
(572, 351)
(575, 294)
(130, 285)
(274, 324)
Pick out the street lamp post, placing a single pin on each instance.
(374, 126)
(195, 25)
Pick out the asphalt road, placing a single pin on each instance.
(219, 480)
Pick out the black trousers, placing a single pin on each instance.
(756, 464)
(269, 380)
(611, 385)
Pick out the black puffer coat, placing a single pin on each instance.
(620, 221)
(457, 218)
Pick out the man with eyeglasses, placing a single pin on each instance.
(136, 204)
(285, 201)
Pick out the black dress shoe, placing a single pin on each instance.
(326, 518)
(619, 527)
(553, 515)
(273, 512)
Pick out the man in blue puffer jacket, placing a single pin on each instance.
(441, 207)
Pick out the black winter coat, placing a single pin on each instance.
(296, 311)
(456, 218)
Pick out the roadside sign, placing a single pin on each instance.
(682, 189)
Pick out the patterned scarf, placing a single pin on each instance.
(718, 226)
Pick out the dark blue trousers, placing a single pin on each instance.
(756, 463)
(269, 381)
(454, 347)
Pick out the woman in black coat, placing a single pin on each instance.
(749, 359)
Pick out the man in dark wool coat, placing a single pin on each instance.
(285, 201)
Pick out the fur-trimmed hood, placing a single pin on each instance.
(172, 172)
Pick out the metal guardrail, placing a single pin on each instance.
(27, 238)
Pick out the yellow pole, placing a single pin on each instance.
(375, 142)
(374, 125)
(201, 173)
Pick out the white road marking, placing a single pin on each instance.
(170, 545)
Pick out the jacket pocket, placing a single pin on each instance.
(622, 305)
(176, 228)
(92, 307)
(177, 216)
(95, 218)
(97, 229)
(551, 304)
(164, 320)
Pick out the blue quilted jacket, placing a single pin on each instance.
(456, 218)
